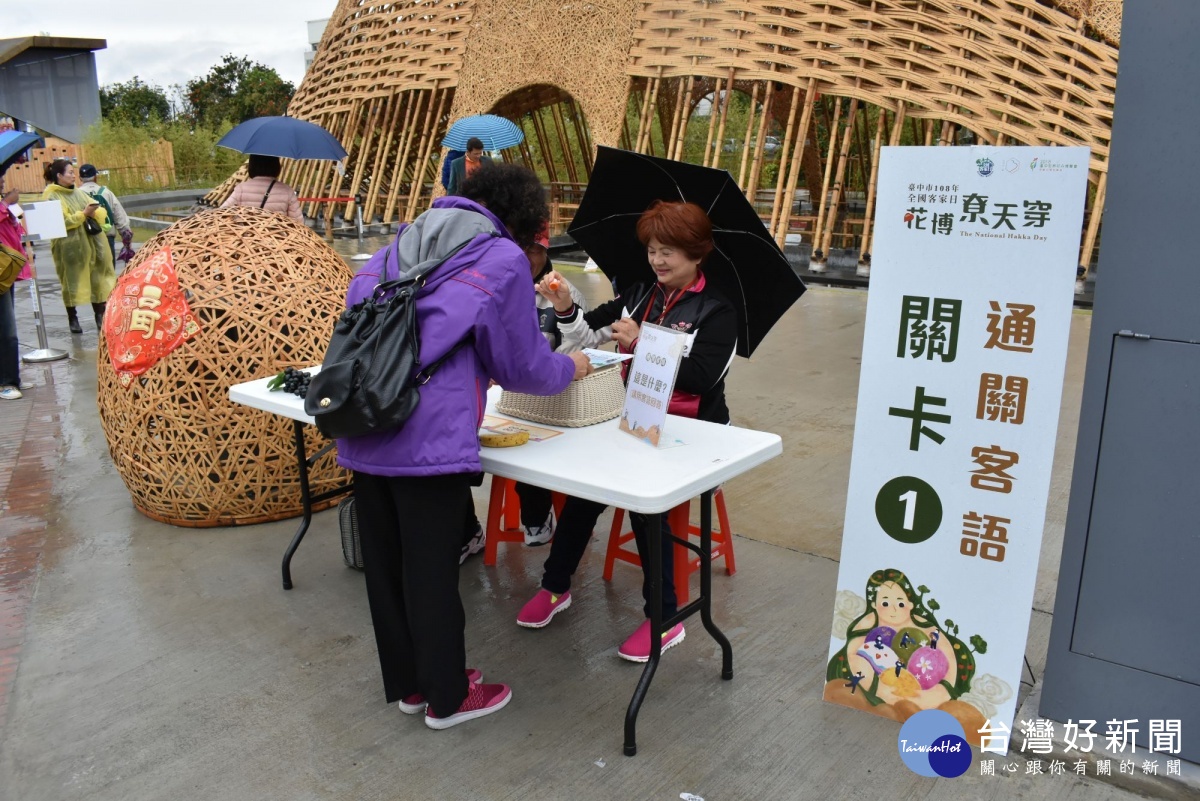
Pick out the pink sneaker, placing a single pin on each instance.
(637, 647)
(482, 699)
(541, 608)
(412, 704)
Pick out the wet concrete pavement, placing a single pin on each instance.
(143, 661)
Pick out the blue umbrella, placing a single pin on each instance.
(285, 137)
(496, 133)
(13, 144)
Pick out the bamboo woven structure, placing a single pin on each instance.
(831, 79)
(266, 292)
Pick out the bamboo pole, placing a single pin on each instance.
(746, 143)
(393, 112)
(761, 143)
(581, 136)
(864, 256)
(646, 125)
(716, 156)
(561, 128)
(524, 146)
(827, 243)
(781, 175)
(364, 149)
(393, 205)
(860, 140)
(684, 117)
(898, 124)
(411, 114)
(539, 128)
(669, 137)
(712, 123)
(414, 183)
(818, 255)
(1089, 241)
(810, 97)
(422, 162)
(353, 126)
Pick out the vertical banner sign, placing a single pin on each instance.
(652, 374)
(962, 369)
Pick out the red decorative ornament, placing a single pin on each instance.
(147, 317)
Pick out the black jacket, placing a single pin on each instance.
(705, 313)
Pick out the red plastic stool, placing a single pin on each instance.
(686, 562)
(504, 516)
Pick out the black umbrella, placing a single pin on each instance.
(746, 266)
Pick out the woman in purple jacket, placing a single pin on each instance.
(413, 483)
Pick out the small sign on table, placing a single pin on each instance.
(651, 381)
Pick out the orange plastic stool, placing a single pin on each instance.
(686, 562)
(504, 516)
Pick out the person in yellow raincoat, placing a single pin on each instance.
(83, 261)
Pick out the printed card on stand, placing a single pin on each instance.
(651, 381)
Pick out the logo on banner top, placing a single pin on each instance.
(985, 166)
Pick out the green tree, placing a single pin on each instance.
(236, 90)
(134, 101)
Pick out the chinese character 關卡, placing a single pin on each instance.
(919, 417)
(926, 331)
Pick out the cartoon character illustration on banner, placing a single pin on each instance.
(899, 659)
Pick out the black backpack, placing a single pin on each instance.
(369, 381)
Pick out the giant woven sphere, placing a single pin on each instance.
(266, 292)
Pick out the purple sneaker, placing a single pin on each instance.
(542, 608)
(415, 703)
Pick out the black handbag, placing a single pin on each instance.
(369, 380)
(90, 226)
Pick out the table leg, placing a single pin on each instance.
(706, 585)
(654, 570)
(305, 504)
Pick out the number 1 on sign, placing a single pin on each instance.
(909, 499)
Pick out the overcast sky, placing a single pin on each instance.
(168, 41)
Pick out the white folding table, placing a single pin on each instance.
(603, 464)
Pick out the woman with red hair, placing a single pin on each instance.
(678, 237)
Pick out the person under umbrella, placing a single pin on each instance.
(678, 237)
(462, 168)
(264, 190)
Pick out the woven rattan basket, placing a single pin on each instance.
(590, 400)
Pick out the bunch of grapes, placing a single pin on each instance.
(291, 380)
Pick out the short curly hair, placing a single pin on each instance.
(514, 194)
(681, 225)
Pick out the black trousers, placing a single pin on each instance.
(535, 504)
(411, 529)
(571, 537)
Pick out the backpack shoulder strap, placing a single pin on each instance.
(267, 194)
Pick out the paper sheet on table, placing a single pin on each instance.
(502, 425)
(605, 358)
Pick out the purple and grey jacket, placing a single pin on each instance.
(483, 290)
